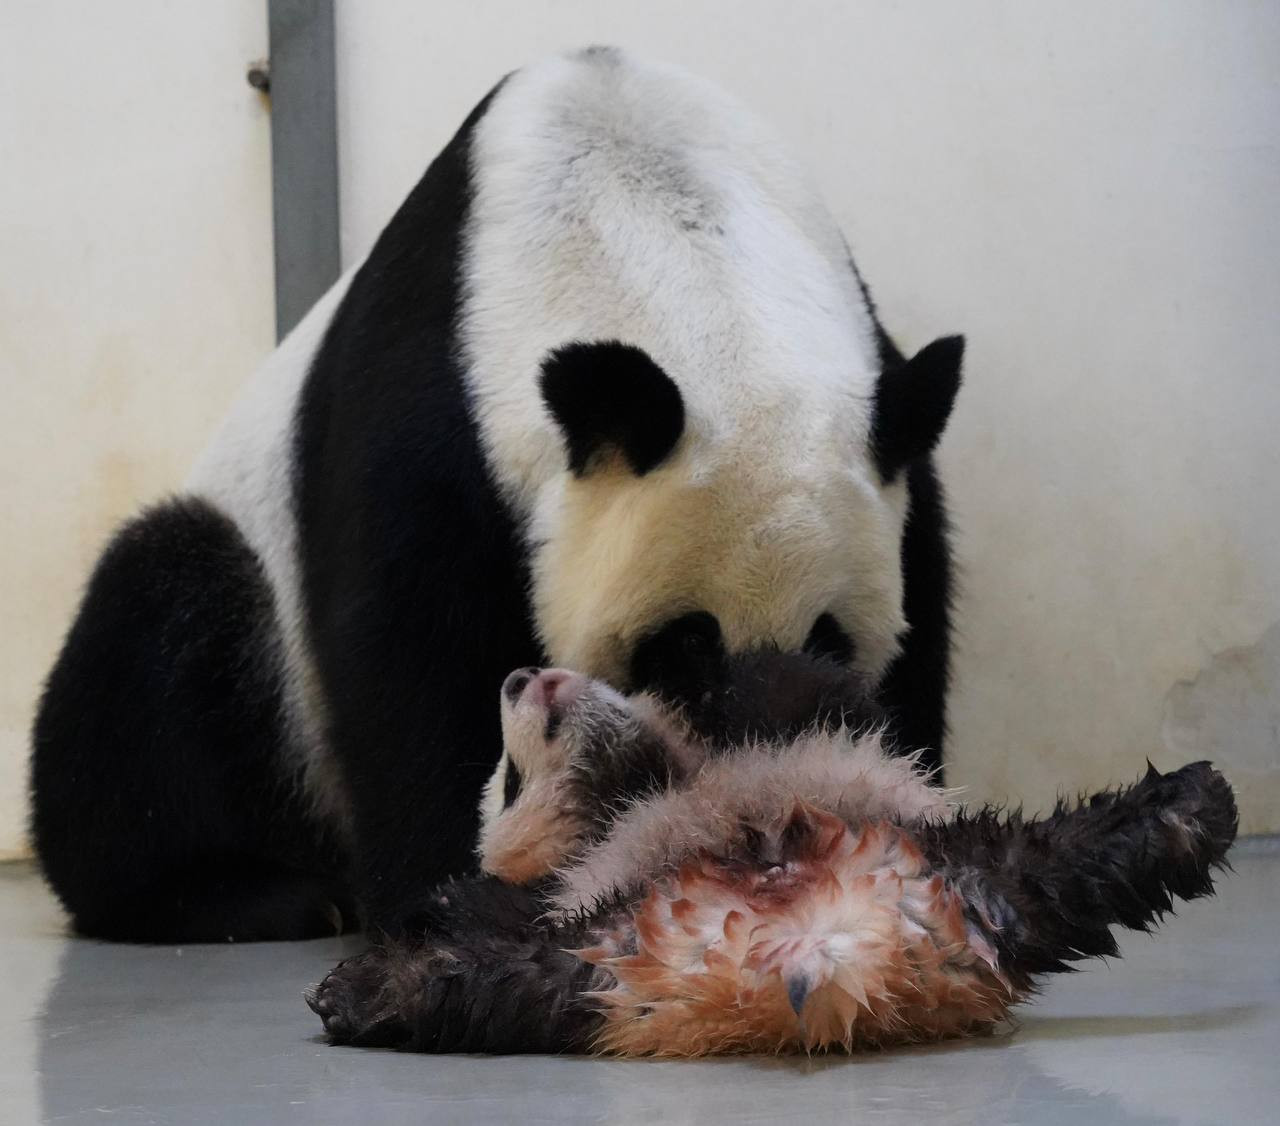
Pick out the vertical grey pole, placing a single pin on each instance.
(304, 155)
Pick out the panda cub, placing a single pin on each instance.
(727, 877)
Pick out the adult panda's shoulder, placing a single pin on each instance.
(361, 412)
(402, 300)
(247, 468)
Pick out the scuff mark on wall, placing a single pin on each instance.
(1230, 713)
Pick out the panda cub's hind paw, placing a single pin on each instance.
(357, 1004)
(1196, 818)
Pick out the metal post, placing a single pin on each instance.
(304, 154)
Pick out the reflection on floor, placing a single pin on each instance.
(1183, 1030)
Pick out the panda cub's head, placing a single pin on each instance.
(692, 521)
(569, 743)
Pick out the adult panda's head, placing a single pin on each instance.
(672, 536)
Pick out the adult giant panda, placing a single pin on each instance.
(609, 392)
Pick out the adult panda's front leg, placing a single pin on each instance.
(411, 658)
(413, 572)
(415, 588)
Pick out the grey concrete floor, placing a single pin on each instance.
(1184, 1029)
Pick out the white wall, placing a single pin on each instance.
(135, 291)
(1089, 190)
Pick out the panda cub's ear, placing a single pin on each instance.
(612, 396)
(912, 404)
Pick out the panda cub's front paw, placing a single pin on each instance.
(356, 1005)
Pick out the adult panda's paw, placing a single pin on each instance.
(358, 1002)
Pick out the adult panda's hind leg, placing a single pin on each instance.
(162, 811)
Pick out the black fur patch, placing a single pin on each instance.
(614, 775)
(161, 807)
(512, 784)
(681, 659)
(413, 571)
(763, 693)
(828, 640)
(772, 695)
(609, 395)
(913, 691)
(912, 404)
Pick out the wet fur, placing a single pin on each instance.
(740, 792)
(800, 894)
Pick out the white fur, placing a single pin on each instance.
(622, 199)
(246, 472)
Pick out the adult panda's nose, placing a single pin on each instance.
(517, 682)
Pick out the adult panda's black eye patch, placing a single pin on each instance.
(828, 639)
(682, 658)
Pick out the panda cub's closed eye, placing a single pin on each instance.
(512, 783)
(827, 639)
(555, 716)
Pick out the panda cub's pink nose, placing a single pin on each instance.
(549, 683)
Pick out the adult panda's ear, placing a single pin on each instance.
(913, 401)
(611, 396)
